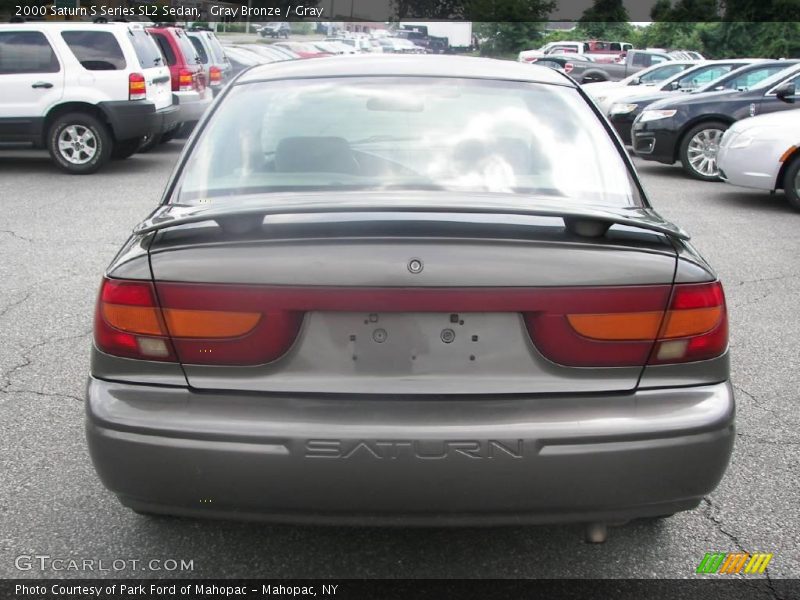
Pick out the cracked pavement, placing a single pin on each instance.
(57, 234)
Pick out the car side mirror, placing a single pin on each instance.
(636, 81)
(786, 92)
(674, 86)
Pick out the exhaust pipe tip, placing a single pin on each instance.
(596, 533)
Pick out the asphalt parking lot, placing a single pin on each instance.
(57, 234)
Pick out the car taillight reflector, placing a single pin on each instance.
(185, 80)
(137, 88)
(214, 76)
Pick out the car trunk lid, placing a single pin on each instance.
(410, 302)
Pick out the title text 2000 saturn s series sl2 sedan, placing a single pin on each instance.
(389, 302)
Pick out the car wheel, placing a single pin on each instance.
(791, 183)
(699, 148)
(79, 143)
(149, 142)
(125, 148)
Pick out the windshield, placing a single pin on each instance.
(778, 77)
(703, 75)
(380, 133)
(744, 81)
(660, 73)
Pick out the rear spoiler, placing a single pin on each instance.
(241, 217)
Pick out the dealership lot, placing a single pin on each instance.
(57, 233)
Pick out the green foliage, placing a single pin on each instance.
(608, 31)
(605, 11)
(474, 10)
(746, 39)
(302, 27)
(499, 39)
(714, 39)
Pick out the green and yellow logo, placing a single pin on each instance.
(729, 563)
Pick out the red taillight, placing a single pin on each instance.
(185, 80)
(568, 67)
(588, 332)
(695, 327)
(195, 324)
(214, 76)
(137, 89)
(129, 323)
(217, 324)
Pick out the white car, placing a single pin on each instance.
(605, 93)
(763, 152)
(87, 92)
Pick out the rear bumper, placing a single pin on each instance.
(192, 105)
(409, 461)
(132, 119)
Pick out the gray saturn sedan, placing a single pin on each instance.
(409, 290)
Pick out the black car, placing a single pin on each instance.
(689, 128)
(623, 113)
(276, 30)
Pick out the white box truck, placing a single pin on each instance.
(458, 35)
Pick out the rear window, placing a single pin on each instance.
(187, 49)
(95, 50)
(753, 78)
(217, 52)
(26, 52)
(198, 46)
(165, 48)
(662, 73)
(383, 133)
(146, 49)
(703, 76)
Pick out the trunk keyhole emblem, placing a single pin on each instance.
(415, 265)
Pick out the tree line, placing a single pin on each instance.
(729, 29)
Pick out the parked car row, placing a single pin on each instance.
(684, 118)
(587, 68)
(90, 92)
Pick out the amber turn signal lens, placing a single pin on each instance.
(184, 323)
(144, 320)
(693, 321)
(618, 326)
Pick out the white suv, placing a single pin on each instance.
(87, 92)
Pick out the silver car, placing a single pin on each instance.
(763, 152)
(375, 293)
